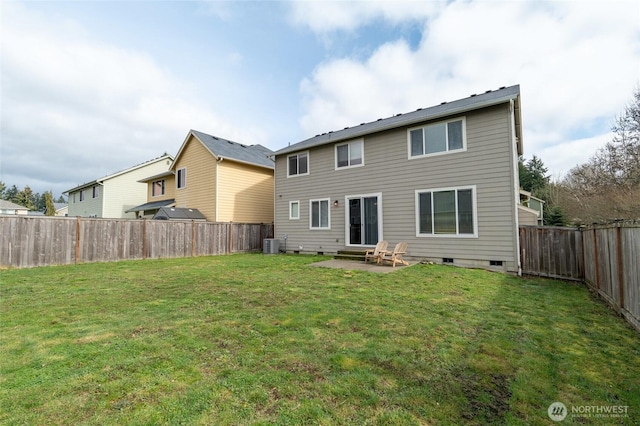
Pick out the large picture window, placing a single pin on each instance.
(350, 154)
(449, 211)
(298, 164)
(437, 138)
(319, 217)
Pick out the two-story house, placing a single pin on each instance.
(444, 179)
(225, 180)
(114, 195)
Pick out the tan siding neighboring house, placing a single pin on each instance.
(160, 193)
(384, 194)
(226, 181)
(200, 183)
(245, 193)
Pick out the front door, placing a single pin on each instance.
(364, 224)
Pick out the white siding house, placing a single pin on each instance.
(111, 196)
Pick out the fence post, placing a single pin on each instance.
(620, 265)
(230, 237)
(595, 259)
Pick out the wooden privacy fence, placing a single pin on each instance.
(605, 257)
(27, 241)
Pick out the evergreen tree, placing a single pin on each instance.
(50, 209)
(11, 194)
(2, 189)
(24, 198)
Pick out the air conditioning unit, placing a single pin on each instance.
(270, 246)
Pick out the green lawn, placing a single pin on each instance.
(253, 339)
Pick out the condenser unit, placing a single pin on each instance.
(271, 246)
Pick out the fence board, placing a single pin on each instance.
(28, 241)
(551, 252)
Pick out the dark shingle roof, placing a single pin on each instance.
(178, 213)
(252, 154)
(151, 205)
(488, 98)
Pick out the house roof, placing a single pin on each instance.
(256, 155)
(489, 98)
(158, 176)
(151, 205)
(121, 172)
(178, 213)
(8, 205)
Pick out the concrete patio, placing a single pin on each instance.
(358, 265)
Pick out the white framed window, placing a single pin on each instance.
(319, 216)
(437, 138)
(350, 154)
(157, 188)
(294, 210)
(181, 180)
(298, 164)
(94, 191)
(447, 212)
(82, 195)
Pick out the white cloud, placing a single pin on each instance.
(324, 17)
(577, 64)
(75, 109)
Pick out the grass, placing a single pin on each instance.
(253, 339)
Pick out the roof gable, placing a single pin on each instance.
(473, 102)
(256, 155)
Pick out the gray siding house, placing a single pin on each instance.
(444, 179)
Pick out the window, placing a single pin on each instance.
(181, 181)
(450, 211)
(319, 217)
(437, 138)
(94, 191)
(298, 164)
(157, 188)
(294, 209)
(82, 195)
(350, 154)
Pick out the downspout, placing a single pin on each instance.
(218, 161)
(516, 183)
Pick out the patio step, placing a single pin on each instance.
(350, 255)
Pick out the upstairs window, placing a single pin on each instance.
(94, 191)
(82, 195)
(437, 138)
(157, 188)
(350, 154)
(181, 180)
(450, 211)
(298, 164)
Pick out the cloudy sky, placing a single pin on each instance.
(89, 88)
